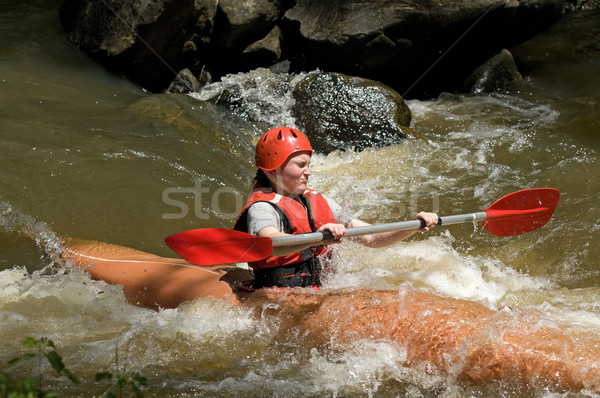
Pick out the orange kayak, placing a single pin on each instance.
(152, 281)
(453, 338)
(461, 339)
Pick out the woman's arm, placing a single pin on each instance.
(389, 238)
(337, 230)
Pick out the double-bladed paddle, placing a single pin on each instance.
(514, 214)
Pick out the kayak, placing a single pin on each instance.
(152, 281)
(446, 336)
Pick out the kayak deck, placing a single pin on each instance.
(152, 281)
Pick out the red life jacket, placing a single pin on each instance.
(296, 219)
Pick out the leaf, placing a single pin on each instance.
(30, 342)
(103, 375)
(14, 360)
(122, 380)
(138, 393)
(140, 379)
(56, 361)
(71, 376)
(22, 357)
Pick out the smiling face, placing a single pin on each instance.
(291, 178)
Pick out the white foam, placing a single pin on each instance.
(432, 264)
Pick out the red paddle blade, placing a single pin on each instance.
(521, 211)
(212, 246)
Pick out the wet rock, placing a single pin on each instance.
(281, 67)
(145, 41)
(185, 82)
(245, 18)
(499, 73)
(421, 48)
(575, 36)
(337, 111)
(264, 52)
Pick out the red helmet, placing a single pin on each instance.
(276, 145)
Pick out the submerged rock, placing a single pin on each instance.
(225, 135)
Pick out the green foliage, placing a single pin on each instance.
(123, 382)
(132, 382)
(29, 386)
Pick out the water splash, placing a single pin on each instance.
(14, 221)
(260, 96)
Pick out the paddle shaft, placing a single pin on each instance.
(314, 237)
(514, 214)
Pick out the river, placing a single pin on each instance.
(87, 154)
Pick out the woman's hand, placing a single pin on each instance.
(430, 219)
(337, 230)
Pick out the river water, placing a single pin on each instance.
(84, 153)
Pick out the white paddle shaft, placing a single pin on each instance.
(313, 237)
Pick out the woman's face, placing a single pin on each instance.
(292, 176)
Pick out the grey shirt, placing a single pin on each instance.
(262, 214)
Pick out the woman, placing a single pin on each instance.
(282, 204)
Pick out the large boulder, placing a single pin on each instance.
(417, 48)
(344, 112)
(147, 41)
